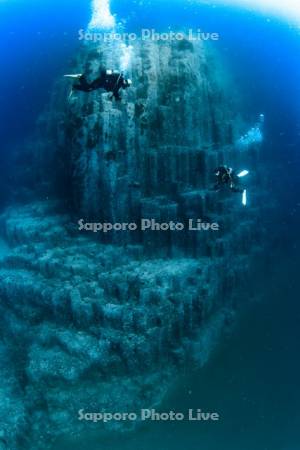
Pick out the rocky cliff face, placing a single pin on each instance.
(106, 323)
(157, 137)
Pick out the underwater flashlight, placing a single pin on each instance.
(243, 173)
(76, 75)
(244, 200)
(109, 72)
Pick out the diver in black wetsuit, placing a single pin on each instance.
(227, 177)
(108, 80)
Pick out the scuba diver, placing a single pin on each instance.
(110, 81)
(226, 177)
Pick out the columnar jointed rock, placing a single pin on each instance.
(95, 327)
(105, 326)
(174, 126)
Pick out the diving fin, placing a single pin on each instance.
(70, 95)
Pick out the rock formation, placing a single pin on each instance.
(106, 322)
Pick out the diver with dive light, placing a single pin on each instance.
(227, 178)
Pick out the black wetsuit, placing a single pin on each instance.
(110, 82)
(227, 178)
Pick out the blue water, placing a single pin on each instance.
(254, 377)
(252, 381)
(39, 39)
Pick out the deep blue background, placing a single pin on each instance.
(37, 40)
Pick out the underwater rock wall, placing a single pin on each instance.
(107, 325)
(96, 327)
(155, 139)
(153, 155)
